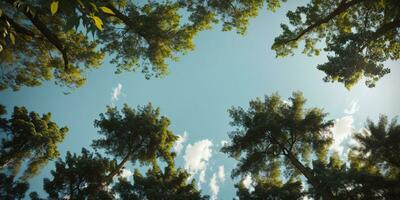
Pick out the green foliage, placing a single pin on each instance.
(48, 39)
(169, 184)
(28, 137)
(379, 145)
(373, 170)
(135, 135)
(273, 131)
(359, 35)
(132, 135)
(269, 186)
(80, 177)
(10, 189)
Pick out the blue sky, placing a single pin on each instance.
(225, 70)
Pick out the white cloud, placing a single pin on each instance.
(287, 102)
(221, 173)
(216, 179)
(248, 183)
(179, 143)
(352, 108)
(342, 132)
(126, 173)
(214, 187)
(116, 92)
(196, 158)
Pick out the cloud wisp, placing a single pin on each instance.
(216, 179)
(116, 92)
(352, 108)
(179, 143)
(196, 158)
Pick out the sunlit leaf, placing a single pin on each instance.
(107, 10)
(98, 22)
(54, 7)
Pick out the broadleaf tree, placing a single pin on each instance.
(52, 39)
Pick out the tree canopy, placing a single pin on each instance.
(80, 177)
(133, 135)
(275, 131)
(52, 39)
(28, 137)
(360, 35)
(274, 135)
(169, 184)
(11, 189)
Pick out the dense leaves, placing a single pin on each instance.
(273, 135)
(11, 189)
(169, 184)
(276, 131)
(80, 177)
(359, 35)
(47, 39)
(135, 135)
(269, 186)
(28, 137)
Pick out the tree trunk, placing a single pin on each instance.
(326, 193)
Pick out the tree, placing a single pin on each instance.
(47, 39)
(273, 135)
(28, 137)
(169, 184)
(132, 135)
(377, 155)
(269, 186)
(135, 135)
(80, 177)
(274, 131)
(11, 189)
(359, 35)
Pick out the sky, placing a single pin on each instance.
(225, 70)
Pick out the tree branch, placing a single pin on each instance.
(126, 20)
(380, 32)
(52, 38)
(343, 6)
(327, 194)
(17, 27)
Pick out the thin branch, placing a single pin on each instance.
(17, 27)
(52, 38)
(343, 6)
(381, 31)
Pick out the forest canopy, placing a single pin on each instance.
(279, 149)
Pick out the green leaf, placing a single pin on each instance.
(107, 10)
(54, 7)
(98, 22)
(12, 38)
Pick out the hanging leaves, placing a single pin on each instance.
(106, 10)
(98, 22)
